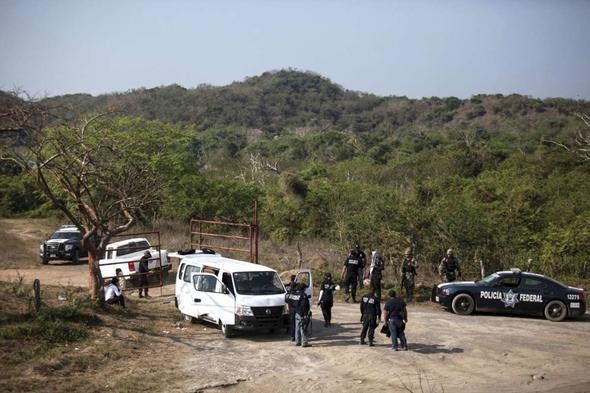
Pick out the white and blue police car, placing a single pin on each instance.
(512, 292)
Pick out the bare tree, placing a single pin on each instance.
(88, 173)
(88, 170)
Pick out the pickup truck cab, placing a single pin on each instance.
(233, 294)
(125, 255)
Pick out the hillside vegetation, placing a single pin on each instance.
(490, 176)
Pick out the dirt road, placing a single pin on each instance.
(481, 353)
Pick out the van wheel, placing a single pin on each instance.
(227, 330)
(44, 261)
(188, 318)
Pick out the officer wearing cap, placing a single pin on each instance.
(143, 271)
(326, 298)
(349, 275)
(291, 298)
(370, 311)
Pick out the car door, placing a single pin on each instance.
(184, 291)
(212, 299)
(304, 276)
(508, 286)
(531, 295)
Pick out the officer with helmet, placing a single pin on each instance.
(449, 268)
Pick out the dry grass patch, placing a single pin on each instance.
(20, 239)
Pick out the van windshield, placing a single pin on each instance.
(258, 283)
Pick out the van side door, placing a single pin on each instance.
(184, 291)
(213, 299)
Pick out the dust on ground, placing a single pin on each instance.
(157, 351)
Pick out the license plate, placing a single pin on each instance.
(575, 305)
(52, 255)
(437, 299)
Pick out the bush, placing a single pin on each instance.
(52, 325)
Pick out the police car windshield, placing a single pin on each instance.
(66, 235)
(488, 280)
(258, 283)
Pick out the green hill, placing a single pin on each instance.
(490, 176)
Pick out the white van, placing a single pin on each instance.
(233, 294)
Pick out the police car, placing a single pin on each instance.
(513, 292)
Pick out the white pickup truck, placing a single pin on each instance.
(125, 255)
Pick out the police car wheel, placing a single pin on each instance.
(75, 257)
(226, 330)
(463, 304)
(555, 311)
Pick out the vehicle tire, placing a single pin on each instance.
(188, 318)
(463, 304)
(76, 256)
(226, 330)
(44, 261)
(555, 311)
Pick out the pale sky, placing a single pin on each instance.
(408, 48)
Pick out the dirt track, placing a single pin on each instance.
(480, 353)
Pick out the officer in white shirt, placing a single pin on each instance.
(113, 294)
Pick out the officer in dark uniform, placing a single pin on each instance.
(370, 311)
(396, 316)
(350, 272)
(143, 271)
(376, 272)
(291, 299)
(408, 271)
(302, 316)
(449, 268)
(363, 258)
(326, 299)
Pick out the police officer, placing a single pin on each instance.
(370, 311)
(326, 299)
(363, 258)
(143, 272)
(396, 316)
(350, 273)
(291, 298)
(408, 273)
(376, 272)
(302, 317)
(449, 268)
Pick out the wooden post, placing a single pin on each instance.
(482, 269)
(37, 290)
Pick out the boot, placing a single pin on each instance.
(371, 343)
(363, 342)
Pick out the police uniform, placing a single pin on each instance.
(302, 315)
(291, 298)
(370, 311)
(143, 270)
(408, 270)
(449, 268)
(353, 265)
(326, 301)
(376, 273)
(363, 258)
